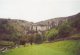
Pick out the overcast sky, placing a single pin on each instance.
(37, 10)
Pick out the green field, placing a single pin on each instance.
(67, 47)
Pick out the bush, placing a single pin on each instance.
(51, 34)
(64, 30)
(38, 38)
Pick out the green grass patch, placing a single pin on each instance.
(67, 47)
(75, 35)
(6, 43)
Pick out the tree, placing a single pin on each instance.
(30, 38)
(51, 34)
(75, 23)
(23, 40)
(38, 38)
(64, 30)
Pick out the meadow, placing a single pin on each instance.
(66, 47)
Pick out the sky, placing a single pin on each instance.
(38, 10)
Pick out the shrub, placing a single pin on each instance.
(51, 34)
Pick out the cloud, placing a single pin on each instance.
(37, 10)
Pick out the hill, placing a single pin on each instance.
(58, 20)
(62, 38)
(10, 27)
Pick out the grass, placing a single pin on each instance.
(67, 47)
(75, 35)
(6, 43)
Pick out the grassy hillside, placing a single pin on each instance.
(67, 47)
